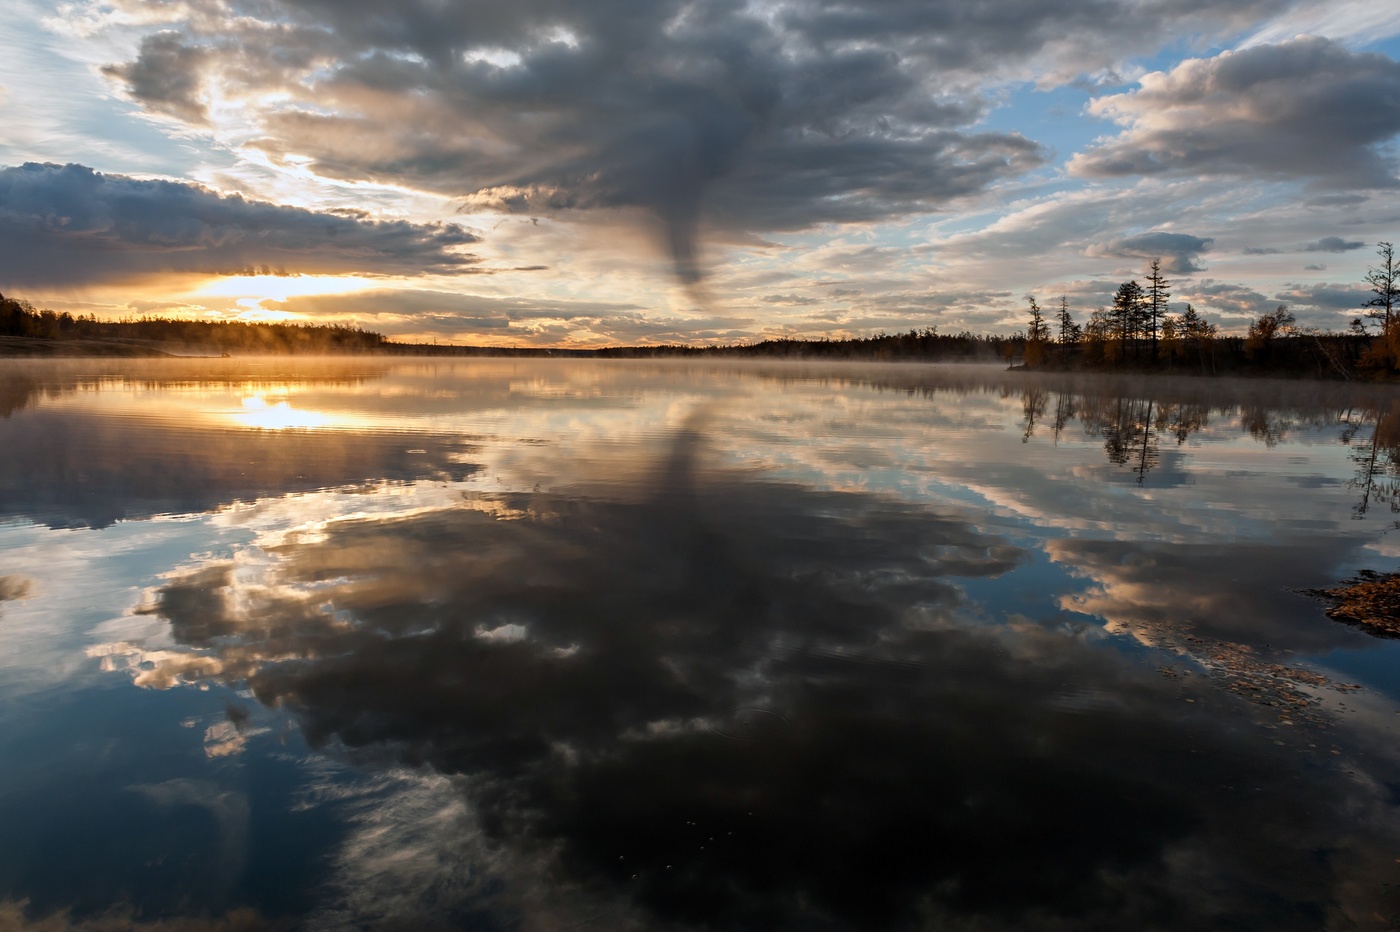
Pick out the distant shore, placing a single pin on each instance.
(1293, 358)
(26, 332)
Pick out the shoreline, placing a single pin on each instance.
(31, 348)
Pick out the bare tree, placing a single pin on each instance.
(1278, 322)
(1384, 280)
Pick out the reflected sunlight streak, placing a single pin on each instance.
(280, 416)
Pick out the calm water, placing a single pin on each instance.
(570, 644)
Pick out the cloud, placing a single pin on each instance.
(1231, 297)
(470, 310)
(166, 76)
(1326, 296)
(1307, 109)
(515, 320)
(672, 113)
(63, 225)
(1326, 244)
(1178, 251)
(790, 300)
(1227, 601)
(710, 119)
(1333, 244)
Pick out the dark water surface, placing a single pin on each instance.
(538, 645)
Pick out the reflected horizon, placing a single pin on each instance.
(502, 644)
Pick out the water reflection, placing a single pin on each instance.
(638, 646)
(1132, 426)
(85, 471)
(1377, 458)
(25, 383)
(577, 661)
(82, 461)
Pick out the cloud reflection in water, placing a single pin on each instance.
(574, 661)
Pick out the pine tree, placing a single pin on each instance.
(1037, 335)
(1126, 315)
(1155, 302)
(1197, 332)
(1069, 330)
(1039, 330)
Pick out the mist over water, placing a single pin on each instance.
(498, 644)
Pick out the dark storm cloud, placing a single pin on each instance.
(69, 225)
(713, 115)
(1333, 244)
(1178, 251)
(1309, 109)
(580, 661)
(166, 77)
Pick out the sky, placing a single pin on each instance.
(555, 173)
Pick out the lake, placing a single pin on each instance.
(547, 644)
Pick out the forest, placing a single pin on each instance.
(43, 332)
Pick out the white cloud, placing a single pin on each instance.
(1308, 108)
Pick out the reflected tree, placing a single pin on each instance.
(1182, 420)
(1377, 460)
(1066, 407)
(1033, 404)
(1266, 424)
(1128, 431)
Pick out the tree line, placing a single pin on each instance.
(22, 319)
(1139, 331)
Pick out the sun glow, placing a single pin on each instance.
(282, 287)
